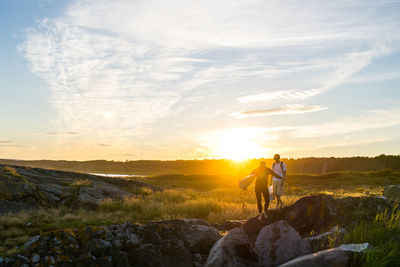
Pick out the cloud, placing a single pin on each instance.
(340, 71)
(14, 145)
(56, 134)
(118, 69)
(4, 141)
(371, 119)
(293, 109)
(104, 145)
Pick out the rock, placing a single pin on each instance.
(341, 256)
(312, 213)
(230, 224)
(23, 188)
(197, 257)
(332, 238)
(35, 258)
(201, 238)
(316, 213)
(88, 201)
(234, 249)
(392, 192)
(352, 210)
(253, 226)
(278, 243)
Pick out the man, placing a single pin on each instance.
(278, 167)
(262, 173)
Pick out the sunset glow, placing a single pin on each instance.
(129, 80)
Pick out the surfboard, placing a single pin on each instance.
(246, 181)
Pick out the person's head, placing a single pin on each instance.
(262, 164)
(277, 158)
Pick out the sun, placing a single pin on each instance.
(239, 144)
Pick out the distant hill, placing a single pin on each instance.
(154, 167)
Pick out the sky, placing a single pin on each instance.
(183, 79)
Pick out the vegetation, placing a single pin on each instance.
(214, 198)
(82, 183)
(214, 167)
(384, 235)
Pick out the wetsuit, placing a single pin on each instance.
(262, 174)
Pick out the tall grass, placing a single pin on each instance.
(384, 235)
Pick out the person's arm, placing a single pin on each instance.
(284, 170)
(273, 173)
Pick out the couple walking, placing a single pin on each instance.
(278, 172)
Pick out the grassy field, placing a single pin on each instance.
(209, 197)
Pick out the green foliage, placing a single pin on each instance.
(384, 235)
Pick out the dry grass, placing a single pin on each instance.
(212, 198)
(82, 183)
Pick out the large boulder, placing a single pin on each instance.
(312, 213)
(278, 243)
(309, 213)
(392, 192)
(233, 250)
(340, 256)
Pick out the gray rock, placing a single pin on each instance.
(88, 201)
(278, 243)
(201, 238)
(35, 258)
(232, 250)
(341, 256)
(332, 238)
(392, 192)
(31, 241)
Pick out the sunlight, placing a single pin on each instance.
(240, 144)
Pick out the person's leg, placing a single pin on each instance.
(265, 193)
(258, 196)
(275, 190)
(279, 194)
(278, 201)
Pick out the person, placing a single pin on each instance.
(278, 167)
(261, 189)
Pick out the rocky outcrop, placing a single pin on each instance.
(233, 250)
(392, 192)
(165, 243)
(278, 243)
(340, 256)
(319, 213)
(23, 188)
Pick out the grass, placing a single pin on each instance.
(82, 183)
(209, 197)
(384, 235)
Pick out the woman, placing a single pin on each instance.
(262, 173)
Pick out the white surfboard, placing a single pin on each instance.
(246, 181)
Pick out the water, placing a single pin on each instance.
(117, 175)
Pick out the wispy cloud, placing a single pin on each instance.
(14, 145)
(292, 109)
(339, 72)
(4, 141)
(367, 120)
(56, 134)
(121, 68)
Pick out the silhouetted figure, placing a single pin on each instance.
(262, 173)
